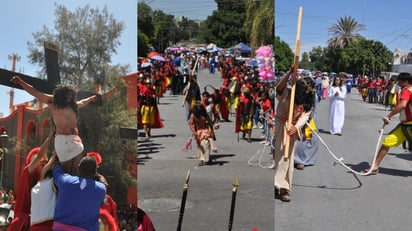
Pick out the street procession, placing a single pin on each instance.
(226, 121)
(205, 115)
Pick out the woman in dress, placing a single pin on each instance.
(337, 94)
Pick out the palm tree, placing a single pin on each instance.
(344, 32)
(259, 23)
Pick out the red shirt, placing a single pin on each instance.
(266, 105)
(407, 96)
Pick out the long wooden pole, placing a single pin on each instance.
(292, 93)
(188, 86)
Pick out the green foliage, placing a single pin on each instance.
(234, 21)
(99, 129)
(163, 30)
(344, 32)
(318, 58)
(283, 55)
(143, 44)
(366, 56)
(225, 26)
(259, 22)
(145, 19)
(305, 62)
(187, 29)
(87, 38)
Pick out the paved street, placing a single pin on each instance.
(163, 167)
(324, 196)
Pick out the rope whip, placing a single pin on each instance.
(271, 163)
(340, 160)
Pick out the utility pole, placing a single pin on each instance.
(14, 58)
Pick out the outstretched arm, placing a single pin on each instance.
(48, 166)
(43, 97)
(85, 102)
(42, 152)
(283, 81)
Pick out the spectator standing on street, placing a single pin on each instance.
(325, 86)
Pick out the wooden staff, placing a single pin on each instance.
(188, 86)
(292, 93)
(183, 202)
(232, 206)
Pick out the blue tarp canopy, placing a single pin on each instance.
(243, 48)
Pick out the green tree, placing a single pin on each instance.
(145, 28)
(305, 62)
(318, 58)
(163, 30)
(87, 38)
(188, 29)
(143, 44)
(283, 55)
(225, 26)
(259, 23)
(145, 19)
(344, 32)
(365, 57)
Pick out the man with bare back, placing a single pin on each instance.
(63, 107)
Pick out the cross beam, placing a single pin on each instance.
(53, 76)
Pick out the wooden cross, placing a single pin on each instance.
(53, 76)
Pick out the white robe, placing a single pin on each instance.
(336, 109)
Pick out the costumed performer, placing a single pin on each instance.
(43, 200)
(337, 95)
(63, 108)
(202, 129)
(303, 106)
(401, 133)
(35, 162)
(244, 114)
(149, 112)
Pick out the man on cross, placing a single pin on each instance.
(63, 107)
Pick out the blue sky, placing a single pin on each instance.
(192, 9)
(389, 22)
(20, 18)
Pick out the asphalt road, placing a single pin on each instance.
(324, 196)
(163, 167)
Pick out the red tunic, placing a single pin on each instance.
(23, 199)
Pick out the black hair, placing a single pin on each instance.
(341, 82)
(305, 93)
(199, 110)
(405, 76)
(60, 94)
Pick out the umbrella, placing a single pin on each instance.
(153, 53)
(144, 65)
(158, 58)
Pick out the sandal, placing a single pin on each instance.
(373, 172)
(201, 163)
(285, 196)
(300, 166)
